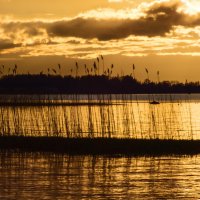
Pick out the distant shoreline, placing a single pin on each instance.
(54, 84)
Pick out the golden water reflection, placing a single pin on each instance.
(128, 117)
(55, 176)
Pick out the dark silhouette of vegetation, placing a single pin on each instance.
(97, 78)
(101, 145)
(92, 84)
(97, 135)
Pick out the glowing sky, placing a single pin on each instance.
(157, 34)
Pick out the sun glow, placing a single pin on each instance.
(191, 7)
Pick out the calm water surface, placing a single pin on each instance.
(55, 176)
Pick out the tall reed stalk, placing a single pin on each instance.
(107, 116)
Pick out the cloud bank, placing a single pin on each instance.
(160, 18)
(157, 20)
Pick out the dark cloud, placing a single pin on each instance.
(32, 31)
(160, 19)
(7, 44)
(90, 28)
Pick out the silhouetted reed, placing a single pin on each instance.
(97, 116)
(54, 81)
(94, 105)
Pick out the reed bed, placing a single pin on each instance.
(98, 146)
(127, 116)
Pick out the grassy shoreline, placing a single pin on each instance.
(101, 146)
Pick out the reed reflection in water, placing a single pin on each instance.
(55, 176)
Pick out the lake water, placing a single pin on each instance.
(55, 176)
(121, 116)
(26, 175)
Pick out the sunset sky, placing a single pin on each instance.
(159, 35)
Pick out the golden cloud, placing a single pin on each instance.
(153, 28)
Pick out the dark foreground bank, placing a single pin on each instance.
(101, 145)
